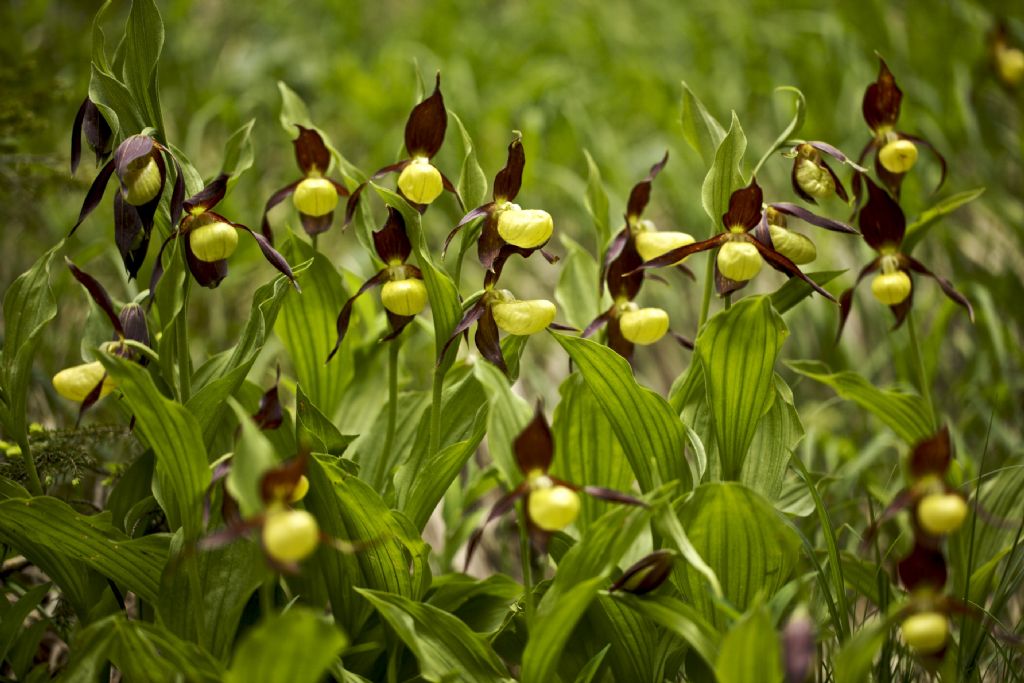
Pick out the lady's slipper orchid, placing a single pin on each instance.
(210, 239)
(403, 294)
(315, 196)
(142, 172)
(883, 225)
(1007, 59)
(551, 504)
(647, 574)
(90, 122)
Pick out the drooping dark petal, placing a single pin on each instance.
(130, 235)
(624, 276)
(398, 323)
(311, 154)
(510, 178)
(424, 131)
(391, 241)
(488, 341)
(641, 192)
(269, 414)
(932, 455)
(466, 220)
(613, 496)
(489, 244)
(98, 294)
(618, 343)
(314, 225)
(614, 249)
(501, 507)
(943, 166)
(813, 218)
(91, 398)
(469, 317)
(338, 187)
(762, 233)
(902, 309)
(881, 104)
(209, 196)
(744, 207)
(669, 258)
(273, 257)
(724, 285)
(846, 298)
(97, 131)
(881, 220)
(76, 135)
(132, 149)
(828, 149)
(946, 285)
(207, 273)
(346, 310)
(178, 192)
(274, 200)
(598, 322)
(647, 574)
(534, 448)
(685, 342)
(923, 567)
(279, 482)
(840, 188)
(784, 265)
(450, 187)
(95, 194)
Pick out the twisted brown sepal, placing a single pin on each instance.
(209, 196)
(98, 135)
(274, 200)
(269, 415)
(509, 179)
(479, 211)
(669, 258)
(472, 315)
(784, 265)
(618, 343)
(646, 575)
(640, 195)
(745, 207)
(392, 241)
(311, 154)
(488, 340)
(623, 275)
(534, 447)
(881, 104)
(882, 222)
(98, 294)
(428, 121)
(345, 316)
(90, 400)
(813, 218)
(504, 504)
(846, 298)
(924, 567)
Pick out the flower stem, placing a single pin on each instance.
(184, 359)
(709, 283)
(389, 440)
(525, 552)
(922, 375)
(728, 301)
(35, 486)
(435, 409)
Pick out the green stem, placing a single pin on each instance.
(314, 239)
(35, 486)
(527, 567)
(184, 359)
(267, 596)
(437, 392)
(389, 440)
(728, 301)
(922, 375)
(709, 284)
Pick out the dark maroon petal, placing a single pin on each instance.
(274, 200)
(273, 257)
(76, 135)
(840, 188)
(647, 574)
(881, 104)
(97, 132)
(207, 273)
(943, 166)
(311, 153)
(489, 244)
(624, 277)
(671, 257)
(612, 496)
(881, 220)
(487, 339)
(501, 507)
(391, 241)
(209, 196)
(923, 567)
(132, 149)
(353, 203)
(762, 233)
(178, 193)
(468, 318)
(534, 448)
(813, 218)
(725, 285)
(598, 322)
(97, 293)
(345, 315)
(932, 455)
(745, 206)
(424, 131)
(393, 168)
(338, 187)
(510, 178)
(784, 265)
(91, 398)
(269, 414)
(95, 194)
(828, 149)
(130, 235)
(468, 218)
(846, 298)
(315, 225)
(450, 187)
(685, 342)
(946, 285)
(398, 324)
(641, 192)
(902, 309)
(614, 249)
(618, 343)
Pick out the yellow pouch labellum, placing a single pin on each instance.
(925, 632)
(214, 241)
(290, 535)
(739, 261)
(553, 508)
(523, 317)
(941, 513)
(793, 245)
(898, 156)
(143, 184)
(525, 228)
(644, 326)
(404, 297)
(315, 197)
(891, 288)
(814, 180)
(1010, 62)
(420, 182)
(651, 244)
(300, 490)
(77, 382)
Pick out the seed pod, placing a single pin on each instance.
(300, 490)
(925, 632)
(525, 228)
(794, 246)
(77, 382)
(315, 197)
(553, 508)
(898, 156)
(651, 244)
(739, 261)
(290, 535)
(644, 326)
(523, 317)
(941, 514)
(142, 181)
(814, 180)
(420, 181)
(213, 241)
(891, 288)
(404, 297)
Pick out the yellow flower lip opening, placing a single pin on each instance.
(420, 182)
(404, 297)
(554, 507)
(290, 535)
(891, 288)
(213, 241)
(78, 381)
(524, 228)
(794, 246)
(315, 196)
(739, 261)
(941, 514)
(644, 326)
(142, 184)
(925, 632)
(523, 318)
(898, 156)
(651, 244)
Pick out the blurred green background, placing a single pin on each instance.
(595, 75)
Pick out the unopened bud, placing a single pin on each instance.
(739, 261)
(793, 245)
(891, 288)
(941, 513)
(290, 535)
(142, 181)
(525, 228)
(315, 197)
(420, 182)
(553, 508)
(651, 244)
(647, 574)
(523, 318)
(77, 382)
(814, 180)
(213, 241)
(644, 326)
(925, 632)
(404, 297)
(898, 156)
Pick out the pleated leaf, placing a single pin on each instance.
(750, 651)
(297, 646)
(725, 175)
